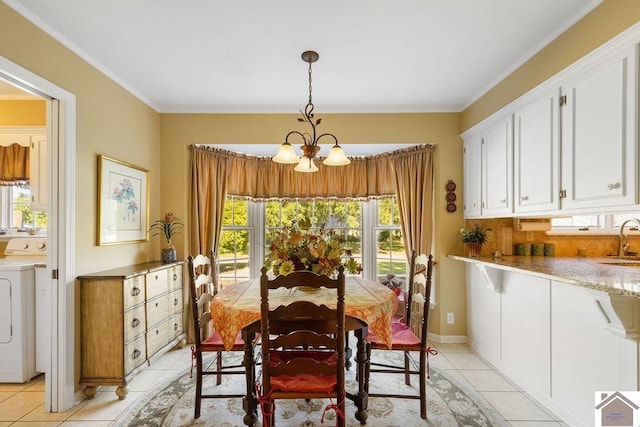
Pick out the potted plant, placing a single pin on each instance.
(473, 239)
(167, 227)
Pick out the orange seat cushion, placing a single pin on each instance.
(214, 342)
(304, 383)
(401, 334)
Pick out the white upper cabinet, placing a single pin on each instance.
(497, 168)
(536, 150)
(599, 136)
(472, 176)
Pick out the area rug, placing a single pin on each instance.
(449, 404)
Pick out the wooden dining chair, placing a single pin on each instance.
(302, 343)
(408, 335)
(202, 288)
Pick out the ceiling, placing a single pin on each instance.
(244, 56)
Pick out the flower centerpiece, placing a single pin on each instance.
(299, 248)
(167, 227)
(474, 238)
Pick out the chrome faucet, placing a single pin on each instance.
(623, 242)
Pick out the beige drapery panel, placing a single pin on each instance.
(413, 178)
(14, 165)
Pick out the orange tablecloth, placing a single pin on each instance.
(238, 306)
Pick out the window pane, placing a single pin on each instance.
(384, 212)
(21, 214)
(579, 221)
(620, 218)
(240, 212)
(272, 214)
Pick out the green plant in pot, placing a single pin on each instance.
(473, 239)
(167, 227)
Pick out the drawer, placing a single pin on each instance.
(157, 310)
(156, 283)
(134, 354)
(175, 323)
(134, 291)
(158, 337)
(134, 323)
(174, 277)
(175, 301)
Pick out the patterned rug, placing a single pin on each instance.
(449, 404)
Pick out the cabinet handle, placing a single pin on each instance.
(503, 201)
(614, 186)
(523, 198)
(175, 277)
(135, 291)
(135, 322)
(135, 354)
(175, 326)
(175, 301)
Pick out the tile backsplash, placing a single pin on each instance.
(504, 236)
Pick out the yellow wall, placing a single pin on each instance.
(604, 22)
(180, 130)
(23, 113)
(109, 121)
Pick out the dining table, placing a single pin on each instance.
(368, 306)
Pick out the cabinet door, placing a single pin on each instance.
(497, 168)
(536, 152)
(599, 134)
(38, 182)
(472, 176)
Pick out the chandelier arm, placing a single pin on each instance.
(301, 135)
(328, 134)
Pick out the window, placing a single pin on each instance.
(344, 217)
(15, 205)
(596, 224)
(391, 259)
(235, 243)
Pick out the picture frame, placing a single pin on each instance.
(123, 202)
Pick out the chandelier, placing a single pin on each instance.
(310, 147)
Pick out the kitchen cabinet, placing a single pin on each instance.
(599, 133)
(38, 182)
(129, 317)
(488, 169)
(497, 167)
(472, 176)
(536, 154)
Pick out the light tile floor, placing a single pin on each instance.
(23, 404)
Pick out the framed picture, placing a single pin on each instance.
(123, 202)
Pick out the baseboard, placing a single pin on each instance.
(447, 339)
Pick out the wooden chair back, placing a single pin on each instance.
(202, 289)
(302, 337)
(419, 295)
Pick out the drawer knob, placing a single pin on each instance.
(614, 186)
(156, 304)
(135, 323)
(135, 291)
(175, 301)
(175, 277)
(135, 354)
(175, 326)
(523, 198)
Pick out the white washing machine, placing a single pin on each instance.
(18, 308)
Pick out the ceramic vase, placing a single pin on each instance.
(473, 249)
(169, 255)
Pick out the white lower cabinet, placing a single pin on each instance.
(551, 338)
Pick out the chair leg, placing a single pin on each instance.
(198, 385)
(407, 369)
(423, 384)
(367, 368)
(219, 368)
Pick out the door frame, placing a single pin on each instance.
(61, 126)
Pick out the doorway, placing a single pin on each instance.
(60, 124)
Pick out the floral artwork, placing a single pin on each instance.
(122, 203)
(299, 248)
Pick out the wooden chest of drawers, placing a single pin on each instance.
(129, 316)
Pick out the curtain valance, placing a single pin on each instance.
(260, 178)
(14, 165)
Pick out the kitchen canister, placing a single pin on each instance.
(537, 249)
(549, 249)
(523, 249)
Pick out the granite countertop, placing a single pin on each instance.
(603, 274)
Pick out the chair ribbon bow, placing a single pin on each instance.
(193, 360)
(333, 407)
(429, 350)
(263, 401)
